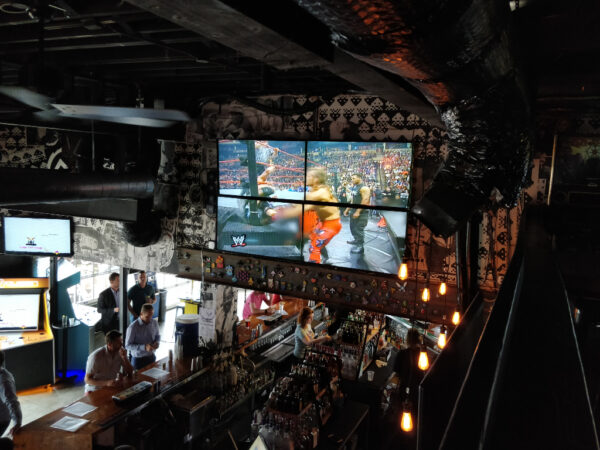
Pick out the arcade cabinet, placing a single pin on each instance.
(25, 334)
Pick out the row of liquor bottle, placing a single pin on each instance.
(265, 342)
(281, 433)
(290, 395)
(367, 317)
(228, 372)
(252, 382)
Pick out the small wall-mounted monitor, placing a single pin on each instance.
(37, 236)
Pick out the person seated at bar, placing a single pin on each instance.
(105, 363)
(143, 337)
(253, 303)
(304, 334)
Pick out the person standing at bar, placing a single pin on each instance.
(143, 338)
(359, 217)
(304, 334)
(105, 363)
(140, 294)
(253, 303)
(108, 304)
(10, 408)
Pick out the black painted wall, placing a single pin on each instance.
(16, 266)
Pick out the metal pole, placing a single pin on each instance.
(123, 311)
(53, 281)
(554, 144)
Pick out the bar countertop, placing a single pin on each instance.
(39, 434)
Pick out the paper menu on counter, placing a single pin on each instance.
(68, 423)
(79, 409)
(155, 372)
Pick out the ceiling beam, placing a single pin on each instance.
(226, 25)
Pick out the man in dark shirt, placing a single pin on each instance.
(359, 217)
(140, 294)
(10, 408)
(108, 304)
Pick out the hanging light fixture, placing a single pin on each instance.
(423, 363)
(406, 422)
(425, 295)
(442, 337)
(443, 289)
(456, 317)
(403, 272)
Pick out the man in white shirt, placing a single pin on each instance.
(105, 363)
(143, 338)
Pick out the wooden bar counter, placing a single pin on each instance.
(39, 435)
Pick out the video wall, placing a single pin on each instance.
(338, 203)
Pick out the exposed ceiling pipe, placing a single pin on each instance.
(459, 54)
(34, 186)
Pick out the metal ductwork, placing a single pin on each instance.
(35, 186)
(459, 54)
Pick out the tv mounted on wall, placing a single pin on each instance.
(337, 203)
(37, 236)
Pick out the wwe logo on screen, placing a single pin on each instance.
(239, 241)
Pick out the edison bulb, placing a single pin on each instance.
(406, 423)
(403, 272)
(443, 289)
(442, 339)
(455, 317)
(425, 295)
(423, 360)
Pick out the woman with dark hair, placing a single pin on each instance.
(304, 335)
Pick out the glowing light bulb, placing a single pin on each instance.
(425, 295)
(442, 337)
(403, 272)
(455, 317)
(406, 423)
(423, 360)
(443, 289)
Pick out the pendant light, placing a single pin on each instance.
(456, 317)
(423, 363)
(423, 360)
(406, 421)
(442, 337)
(425, 295)
(403, 272)
(443, 289)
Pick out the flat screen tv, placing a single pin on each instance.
(19, 312)
(338, 203)
(37, 236)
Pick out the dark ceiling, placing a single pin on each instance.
(114, 52)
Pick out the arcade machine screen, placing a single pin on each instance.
(19, 312)
(37, 236)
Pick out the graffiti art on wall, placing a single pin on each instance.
(102, 241)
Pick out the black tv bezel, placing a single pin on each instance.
(72, 232)
(304, 201)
